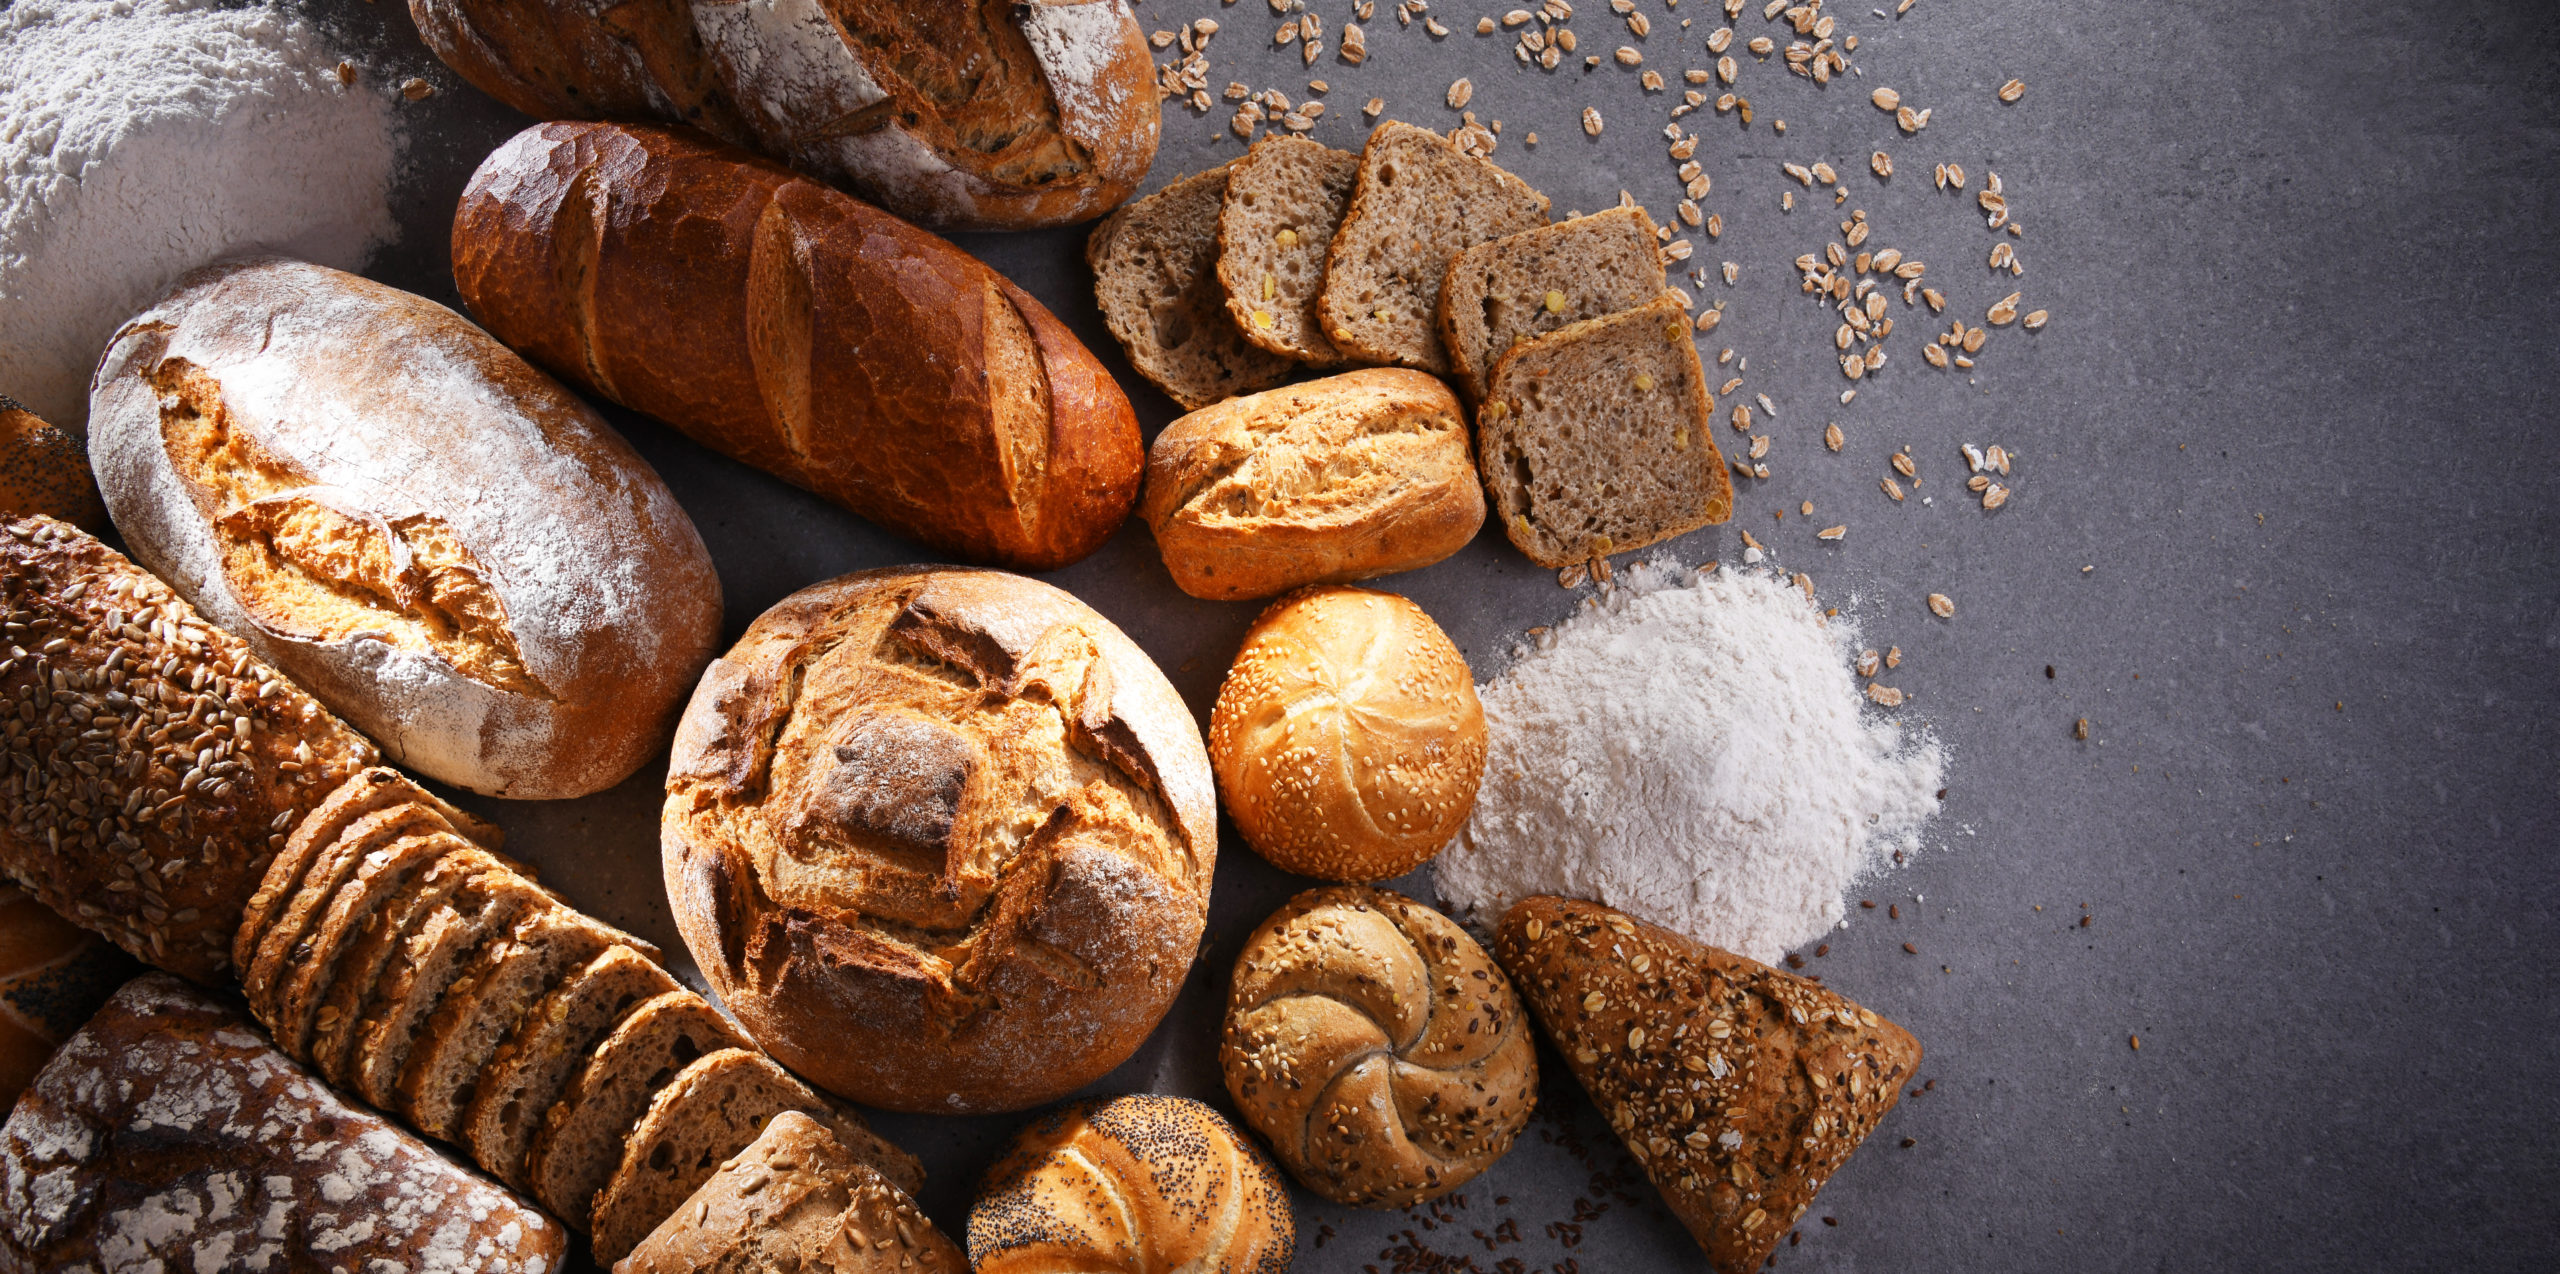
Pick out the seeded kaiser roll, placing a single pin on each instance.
(1347, 739)
(940, 838)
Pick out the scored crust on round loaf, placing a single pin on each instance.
(941, 838)
(1419, 201)
(339, 1021)
(1136, 1182)
(580, 1146)
(377, 882)
(484, 1006)
(1599, 438)
(797, 1198)
(527, 1074)
(481, 911)
(282, 953)
(1283, 201)
(1155, 277)
(711, 1112)
(1501, 293)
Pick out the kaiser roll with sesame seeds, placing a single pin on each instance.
(1739, 1087)
(1376, 1047)
(1347, 739)
(1141, 1182)
(941, 838)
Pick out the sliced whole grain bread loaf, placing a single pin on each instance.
(713, 1110)
(1528, 284)
(1596, 438)
(378, 881)
(1155, 274)
(1419, 201)
(365, 792)
(1283, 201)
(529, 1072)
(278, 953)
(483, 1007)
(337, 1025)
(580, 1146)
(481, 912)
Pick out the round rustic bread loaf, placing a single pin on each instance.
(941, 838)
(1347, 739)
(1376, 1047)
(1141, 1182)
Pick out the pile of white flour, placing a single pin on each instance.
(142, 138)
(1694, 751)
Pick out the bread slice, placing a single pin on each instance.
(380, 878)
(366, 792)
(526, 1076)
(712, 1111)
(331, 865)
(1284, 200)
(1154, 273)
(797, 1199)
(1419, 202)
(480, 912)
(1596, 439)
(482, 1009)
(580, 1146)
(337, 1025)
(1528, 284)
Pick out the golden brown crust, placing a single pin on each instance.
(1376, 1047)
(941, 838)
(1739, 1087)
(136, 802)
(801, 331)
(44, 470)
(797, 1198)
(1141, 1182)
(1347, 739)
(633, 59)
(1322, 482)
(53, 976)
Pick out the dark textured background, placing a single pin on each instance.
(2293, 407)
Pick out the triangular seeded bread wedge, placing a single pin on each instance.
(1528, 284)
(1155, 275)
(1284, 199)
(480, 912)
(1597, 439)
(550, 1046)
(483, 1007)
(712, 1111)
(1419, 201)
(338, 1024)
(580, 1146)
(382, 876)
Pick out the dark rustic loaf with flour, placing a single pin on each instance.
(941, 838)
(801, 331)
(155, 764)
(168, 1134)
(1739, 1088)
(440, 542)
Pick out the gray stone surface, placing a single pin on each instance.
(2293, 409)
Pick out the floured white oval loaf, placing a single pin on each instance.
(447, 547)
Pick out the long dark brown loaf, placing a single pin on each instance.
(169, 1135)
(801, 331)
(150, 765)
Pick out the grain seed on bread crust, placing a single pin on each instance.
(1528, 284)
(1419, 201)
(1596, 439)
(1284, 199)
(1155, 276)
(1739, 1088)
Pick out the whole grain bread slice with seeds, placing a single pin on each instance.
(1284, 200)
(526, 1076)
(1419, 201)
(483, 1007)
(1596, 438)
(482, 911)
(1155, 276)
(385, 874)
(583, 1134)
(1523, 285)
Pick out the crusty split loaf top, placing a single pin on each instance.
(941, 838)
(446, 546)
(802, 331)
(153, 766)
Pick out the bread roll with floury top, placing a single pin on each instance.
(440, 542)
(940, 838)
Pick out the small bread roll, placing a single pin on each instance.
(43, 470)
(1376, 1047)
(1347, 740)
(1140, 1182)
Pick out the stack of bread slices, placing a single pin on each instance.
(1592, 405)
(394, 951)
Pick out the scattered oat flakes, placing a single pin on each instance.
(2013, 90)
(1995, 496)
(1889, 697)
(1461, 92)
(2034, 321)
(1885, 99)
(1942, 606)
(1881, 163)
(416, 89)
(1591, 121)
(1832, 437)
(1832, 533)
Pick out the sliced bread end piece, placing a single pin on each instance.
(1155, 276)
(1419, 201)
(1539, 281)
(1284, 199)
(1597, 439)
